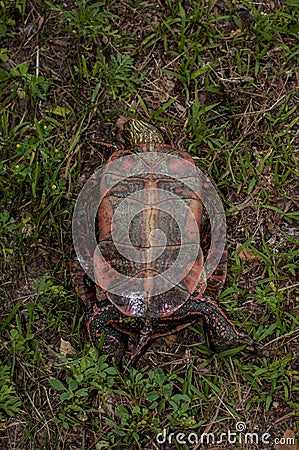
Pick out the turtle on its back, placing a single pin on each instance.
(154, 303)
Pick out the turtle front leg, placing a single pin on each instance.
(109, 148)
(84, 286)
(99, 324)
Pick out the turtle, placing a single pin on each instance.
(146, 309)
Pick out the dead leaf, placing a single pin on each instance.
(181, 109)
(61, 42)
(66, 348)
(119, 124)
(272, 5)
(287, 442)
(247, 255)
(170, 340)
(163, 90)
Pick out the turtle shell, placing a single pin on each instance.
(149, 260)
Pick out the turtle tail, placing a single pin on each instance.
(145, 336)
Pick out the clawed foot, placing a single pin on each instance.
(237, 339)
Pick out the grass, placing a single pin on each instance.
(225, 73)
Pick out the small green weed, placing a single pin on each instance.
(88, 20)
(10, 402)
(143, 396)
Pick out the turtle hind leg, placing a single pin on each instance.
(100, 328)
(222, 333)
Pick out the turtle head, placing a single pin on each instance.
(137, 132)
